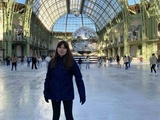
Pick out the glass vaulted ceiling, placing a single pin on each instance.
(70, 23)
(100, 12)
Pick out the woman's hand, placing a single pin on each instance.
(82, 101)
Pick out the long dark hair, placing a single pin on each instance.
(67, 58)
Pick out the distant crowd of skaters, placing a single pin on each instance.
(126, 61)
(103, 61)
(34, 62)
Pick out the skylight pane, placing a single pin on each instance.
(132, 2)
(73, 23)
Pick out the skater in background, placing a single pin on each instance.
(118, 61)
(153, 62)
(34, 62)
(125, 59)
(28, 61)
(14, 61)
(87, 62)
(141, 59)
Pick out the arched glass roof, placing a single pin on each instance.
(70, 23)
(100, 12)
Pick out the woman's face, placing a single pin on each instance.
(62, 50)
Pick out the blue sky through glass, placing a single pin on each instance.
(130, 2)
(73, 23)
(21, 1)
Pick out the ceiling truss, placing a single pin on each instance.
(98, 11)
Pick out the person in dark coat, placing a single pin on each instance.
(58, 85)
(34, 62)
(118, 61)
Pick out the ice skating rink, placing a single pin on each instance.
(112, 94)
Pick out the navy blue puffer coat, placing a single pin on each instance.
(58, 84)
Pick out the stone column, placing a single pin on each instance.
(27, 21)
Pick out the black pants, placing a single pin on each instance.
(14, 64)
(153, 68)
(56, 106)
(126, 65)
(34, 65)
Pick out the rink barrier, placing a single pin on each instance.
(93, 59)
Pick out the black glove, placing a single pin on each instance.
(82, 101)
(46, 99)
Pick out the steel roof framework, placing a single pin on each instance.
(98, 11)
